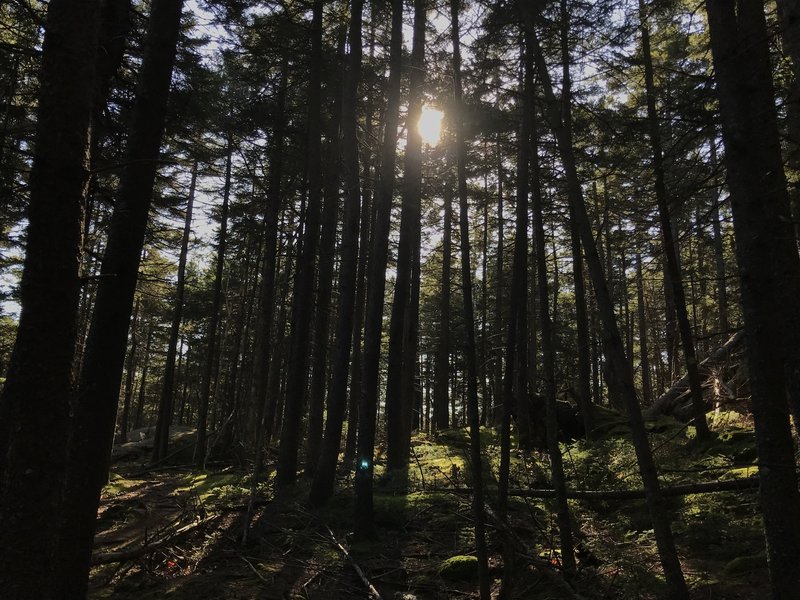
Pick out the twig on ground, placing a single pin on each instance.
(371, 588)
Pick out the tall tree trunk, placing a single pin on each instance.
(441, 390)
(137, 422)
(200, 449)
(668, 239)
(768, 266)
(514, 341)
(94, 413)
(303, 296)
(130, 373)
(398, 403)
(620, 374)
(327, 246)
(498, 299)
(34, 406)
(325, 476)
(719, 251)
(165, 407)
(644, 357)
(548, 349)
(364, 518)
(470, 356)
(583, 391)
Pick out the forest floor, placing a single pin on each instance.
(176, 533)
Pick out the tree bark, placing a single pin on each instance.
(470, 355)
(35, 402)
(302, 297)
(364, 517)
(165, 407)
(200, 449)
(325, 476)
(768, 266)
(441, 390)
(94, 413)
(398, 402)
(327, 247)
(548, 350)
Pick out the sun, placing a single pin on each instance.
(430, 125)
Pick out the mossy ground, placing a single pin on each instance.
(425, 543)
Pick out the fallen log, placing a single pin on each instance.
(669, 401)
(729, 485)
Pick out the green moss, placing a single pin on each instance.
(117, 484)
(461, 567)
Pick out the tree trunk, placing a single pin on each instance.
(768, 266)
(668, 239)
(165, 407)
(644, 357)
(302, 297)
(364, 518)
(498, 307)
(201, 448)
(548, 350)
(441, 390)
(130, 372)
(325, 476)
(35, 402)
(327, 246)
(398, 403)
(470, 356)
(94, 413)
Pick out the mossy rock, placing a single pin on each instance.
(746, 564)
(461, 568)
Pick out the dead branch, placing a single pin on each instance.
(730, 485)
(371, 588)
(125, 555)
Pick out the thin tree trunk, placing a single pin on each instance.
(719, 252)
(498, 308)
(130, 372)
(583, 391)
(166, 406)
(644, 357)
(137, 423)
(327, 246)
(670, 247)
(208, 376)
(441, 400)
(473, 418)
(548, 350)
